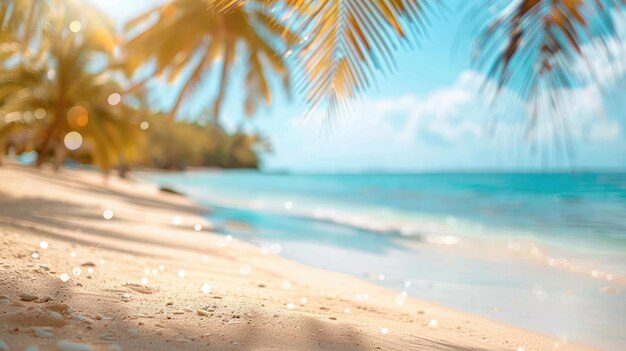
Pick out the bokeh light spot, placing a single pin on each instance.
(75, 26)
(77, 116)
(114, 99)
(82, 120)
(107, 214)
(40, 113)
(73, 140)
(245, 269)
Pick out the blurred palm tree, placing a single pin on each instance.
(343, 46)
(335, 50)
(540, 49)
(336, 45)
(60, 82)
(193, 35)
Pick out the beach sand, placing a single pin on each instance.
(130, 295)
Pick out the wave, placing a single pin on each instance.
(383, 221)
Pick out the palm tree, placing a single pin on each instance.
(346, 42)
(527, 46)
(193, 35)
(45, 111)
(537, 47)
(43, 91)
(26, 23)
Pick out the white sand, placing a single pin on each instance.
(111, 309)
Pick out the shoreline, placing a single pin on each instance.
(256, 301)
(545, 251)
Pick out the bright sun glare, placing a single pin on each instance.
(124, 9)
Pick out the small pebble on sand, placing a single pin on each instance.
(202, 313)
(65, 345)
(55, 315)
(28, 297)
(205, 288)
(43, 332)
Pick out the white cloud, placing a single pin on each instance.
(461, 111)
(605, 131)
(606, 56)
(448, 126)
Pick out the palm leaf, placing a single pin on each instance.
(346, 42)
(216, 35)
(533, 47)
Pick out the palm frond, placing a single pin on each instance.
(217, 37)
(534, 47)
(345, 43)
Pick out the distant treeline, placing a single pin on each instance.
(172, 145)
(176, 145)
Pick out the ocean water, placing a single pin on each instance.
(546, 252)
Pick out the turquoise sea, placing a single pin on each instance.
(546, 252)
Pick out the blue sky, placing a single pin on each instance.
(427, 116)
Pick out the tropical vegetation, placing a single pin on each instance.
(66, 72)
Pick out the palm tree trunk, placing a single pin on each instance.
(52, 135)
(42, 150)
(59, 156)
(123, 168)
